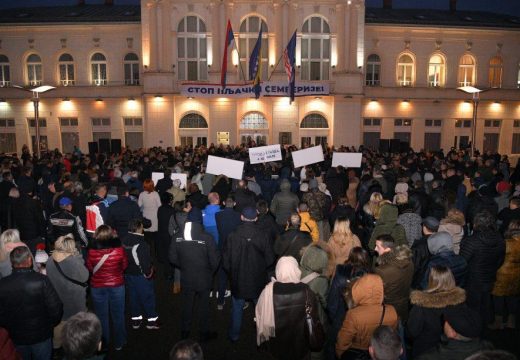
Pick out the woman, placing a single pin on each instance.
(8, 241)
(425, 323)
(387, 224)
(69, 276)
(342, 241)
(280, 313)
(507, 286)
(149, 202)
(367, 313)
(353, 183)
(408, 217)
(454, 223)
(107, 262)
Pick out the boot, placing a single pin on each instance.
(498, 324)
(511, 321)
(176, 288)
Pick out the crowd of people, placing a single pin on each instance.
(413, 255)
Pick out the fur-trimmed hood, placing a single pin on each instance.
(438, 300)
(400, 256)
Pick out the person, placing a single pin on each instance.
(368, 313)
(167, 228)
(342, 241)
(319, 207)
(409, 217)
(67, 272)
(196, 197)
(29, 307)
(178, 194)
(284, 203)
(186, 350)
(492, 355)
(149, 201)
(280, 313)
(9, 240)
(425, 323)
(385, 344)
(292, 242)
(195, 253)
(165, 183)
(308, 224)
(387, 224)
(421, 253)
(107, 261)
(82, 337)
(394, 265)
(247, 258)
(7, 348)
(64, 222)
(122, 211)
(454, 223)
(228, 219)
(243, 196)
(509, 213)
(97, 210)
(139, 277)
(267, 221)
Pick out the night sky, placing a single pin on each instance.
(511, 7)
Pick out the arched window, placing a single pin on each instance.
(98, 65)
(254, 120)
(467, 70)
(405, 70)
(193, 121)
(314, 121)
(436, 71)
(66, 69)
(34, 70)
(5, 74)
(495, 72)
(249, 30)
(372, 77)
(131, 64)
(315, 49)
(192, 49)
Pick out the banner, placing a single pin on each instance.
(156, 176)
(263, 154)
(247, 90)
(221, 166)
(351, 160)
(307, 156)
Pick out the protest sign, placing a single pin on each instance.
(351, 160)
(307, 156)
(263, 154)
(221, 166)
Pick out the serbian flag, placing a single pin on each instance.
(229, 43)
(255, 66)
(289, 59)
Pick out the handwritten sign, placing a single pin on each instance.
(156, 176)
(307, 156)
(263, 154)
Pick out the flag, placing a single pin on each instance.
(255, 65)
(289, 59)
(230, 42)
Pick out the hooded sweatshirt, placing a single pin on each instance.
(387, 225)
(284, 202)
(315, 259)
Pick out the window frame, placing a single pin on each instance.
(463, 71)
(95, 76)
(186, 118)
(260, 116)
(133, 65)
(249, 38)
(306, 118)
(496, 72)
(438, 68)
(66, 64)
(324, 59)
(183, 62)
(372, 68)
(404, 65)
(5, 71)
(33, 68)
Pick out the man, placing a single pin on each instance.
(394, 265)
(82, 337)
(165, 183)
(186, 350)
(227, 221)
(27, 217)
(284, 203)
(30, 307)
(308, 224)
(247, 258)
(319, 207)
(64, 222)
(97, 210)
(293, 240)
(243, 196)
(122, 211)
(197, 256)
(510, 213)
(178, 194)
(385, 344)
(421, 254)
(266, 221)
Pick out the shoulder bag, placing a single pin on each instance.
(313, 327)
(76, 282)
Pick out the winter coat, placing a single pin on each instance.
(425, 323)
(340, 246)
(248, 257)
(29, 306)
(396, 270)
(411, 223)
(178, 194)
(150, 203)
(142, 252)
(309, 225)
(120, 212)
(456, 231)
(167, 226)
(197, 199)
(244, 198)
(268, 223)
(506, 216)
(64, 222)
(222, 187)
(365, 317)
(387, 225)
(319, 204)
(163, 184)
(508, 276)
(484, 252)
(451, 349)
(342, 211)
(27, 217)
(284, 203)
(316, 260)
(227, 222)
(456, 263)
(291, 243)
(336, 183)
(209, 221)
(421, 257)
(110, 274)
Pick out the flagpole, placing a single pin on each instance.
(277, 63)
(240, 63)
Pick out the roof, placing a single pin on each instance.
(428, 17)
(72, 14)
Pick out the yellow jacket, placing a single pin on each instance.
(309, 225)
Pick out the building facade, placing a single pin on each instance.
(119, 70)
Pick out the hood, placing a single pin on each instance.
(368, 290)
(388, 215)
(438, 300)
(400, 257)
(439, 242)
(285, 186)
(315, 259)
(453, 229)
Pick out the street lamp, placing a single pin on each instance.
(36, 102)
(475, 92)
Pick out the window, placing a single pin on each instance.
(318, 140)
(315, 49)
(100, 122)
(491, 141)
(467, 71)
(193, 121)
(67, 122)
(254, 120)
(34, 70)
(463, 123)
(134, 140)
(69, 140)
(249, 29)
(98, 64)
(41, 122)
(402, 122)
(66, 69)
(7, 136)
(371, 122)
(314, 121)
(405, 70)
(492, 123)
(373, 70)
(495, 72)
(516, 123)
(515, 149)
(432, 141)
(133, 122)
(44, 142)
(5, 75)
(433, 123)
(131, 64)
(285, 138)
(436, 71)
(192, 49)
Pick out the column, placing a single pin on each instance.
(347, 37)
(340, 48)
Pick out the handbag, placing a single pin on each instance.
(313, 328)
(76, 282)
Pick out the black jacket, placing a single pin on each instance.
(248, 257)
(197, 256)
(197, 199)
(142, 252)
(421, 257)
(167, 227)
(268, 223)
(121, 212)
(244, 198)
(291, 243)
(28, 218)
(227, 222)
(62, 223)
(163, 185)
(29, 306)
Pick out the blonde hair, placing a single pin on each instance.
(66, 244)
(455, 216)
(440, 279)
(8, 236)
(379, 206)
(371, 206)
(341, 231)
(103, 233)
(400, 199)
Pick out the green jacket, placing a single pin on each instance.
(387, 225)
(315, 259)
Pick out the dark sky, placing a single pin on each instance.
(511, 7)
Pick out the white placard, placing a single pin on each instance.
(307, 156)
(351, 160)
(264, 154)
(156, 176)
(221, 166)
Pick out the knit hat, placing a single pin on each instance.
(431, 223)
(439, 242)
(401, 188)
(304, 187)
(428, 177)
(313, 184)
(249, 213)
(41, 256)
(503, 186)
(463, 320)
(195, 215)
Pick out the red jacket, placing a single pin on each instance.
(111, 273)
(7, 349)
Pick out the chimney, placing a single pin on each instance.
(453, 5)
(109, 2)
(387, 4)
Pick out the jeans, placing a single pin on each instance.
(38, 351)
(142, 296)
(237, 310)
(187, 302)
(111, 301)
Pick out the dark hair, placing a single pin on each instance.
(387, 240)
(135, 224)
(81, 336)
(122, 190)
(193, 188)
(515, 201)
(262, 207)
(385, 344)
(484, 221)
(166, 198)
(103, 233)
(99, 187)
(230, 202)
(19, 255)
(359, 258)
(303, 206)
(186, 350)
